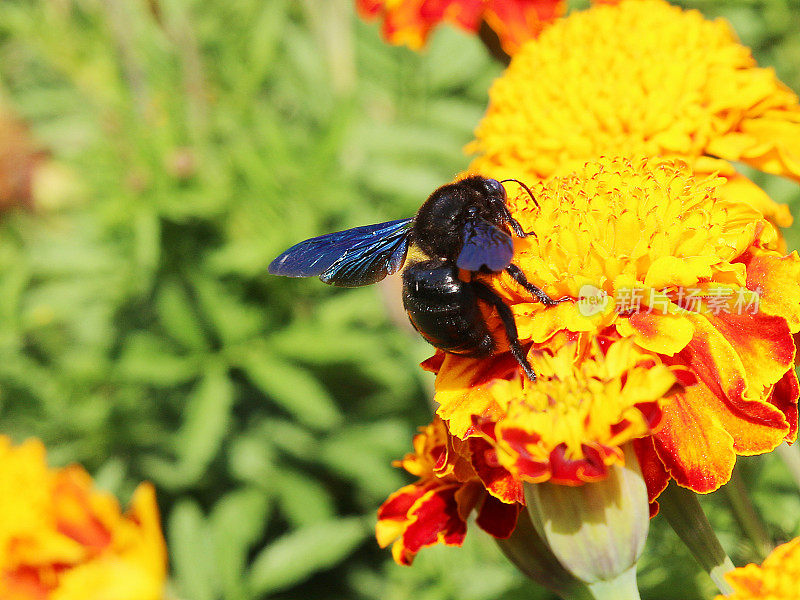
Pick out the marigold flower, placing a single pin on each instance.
(570, 426)
(775, 579)
(696, 286)
(685, 352)
(410, 22)
(435, 508)
(641, 78)
(60, 539)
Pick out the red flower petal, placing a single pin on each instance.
(520, 20)
(421, 515)
(655, 475)
(703, 426)
(527, 466)
(498, 481)
(436, 519)
(756, 426)
(498, 518)
(460, 389)
(763, 343)
(590, 467)
(784, 397)
(399, 503)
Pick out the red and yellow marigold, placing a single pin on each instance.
(410, 22)
(435, 508)
(691, 277)
(590, 398)
(679, 338)
(641, 78)
(61, 539)
(777, 578)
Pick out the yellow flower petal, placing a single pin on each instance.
(662, 334)
(61, 539)
(775, 579)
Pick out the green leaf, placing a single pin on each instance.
(237, 521)
(178, 317)
(300, 554)
(303, 500)
(198, 440)
(445, 73)
(147, 245)
(12, 285)
(263, 43)
(233, 320)
(292, 439)
(191, 552)
(375, 445)
(302, 342)
(252, 458)
(292, 388)
(208, 416)
(148, 359)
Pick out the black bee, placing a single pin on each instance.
(462, 225)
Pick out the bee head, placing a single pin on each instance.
(495, 189)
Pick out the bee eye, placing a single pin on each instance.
(494, 187)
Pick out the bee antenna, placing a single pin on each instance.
(525, 187)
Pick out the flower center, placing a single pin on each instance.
(646, 223)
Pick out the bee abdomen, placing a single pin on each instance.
(444, 309)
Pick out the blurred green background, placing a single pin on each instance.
(167, 150)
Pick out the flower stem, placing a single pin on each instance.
(745, 513)
(622, 587)
(790, 455)
(685, 515)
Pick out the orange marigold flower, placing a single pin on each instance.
(641, 78)
(60, 539)
(775, 579)
(410, 22)
(655, 256)
(435, 508)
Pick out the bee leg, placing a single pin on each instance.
(507, 317)
(518, 276)
(517, 228)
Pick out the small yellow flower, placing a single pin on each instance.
(776, 579)
(61, 539)
(641, 78)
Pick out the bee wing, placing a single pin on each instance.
(485, 245)
(349, 258)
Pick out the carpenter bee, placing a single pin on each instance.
(462, 225)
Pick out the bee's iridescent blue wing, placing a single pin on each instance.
(349, 258)
(485, 245)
